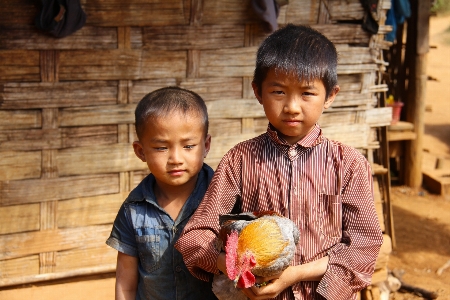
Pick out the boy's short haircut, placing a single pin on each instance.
(162, 102)
(298, 50)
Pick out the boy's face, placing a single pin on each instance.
(174, 147)
(293, 107)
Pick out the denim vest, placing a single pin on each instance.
(144, 230)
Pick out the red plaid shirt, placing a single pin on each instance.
(325, 187)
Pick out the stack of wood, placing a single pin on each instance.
(66, 110)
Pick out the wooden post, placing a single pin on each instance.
(415, 109)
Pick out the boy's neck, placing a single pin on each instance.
(172, 198)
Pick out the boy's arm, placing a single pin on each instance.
(197, 243)
(352, 261)
(126, 276)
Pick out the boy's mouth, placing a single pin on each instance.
(292, 122)
(176, 172)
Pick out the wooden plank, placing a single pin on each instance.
(225, 143)
(401, 135)
(356, 68)
(227, 62)
(354, 55)
(223, 127)
(121, 64)
(214, 88)
(72, 260)
(19, 218)
(138, 89)
(97, 115)
(31, 38)
(239, 108)
(437, 181)
(377, 117)
(37, 139)
(40, 190)
(331, 118)
(137, 176)
(19, 65)
(93, 160)
(302, 12)
(23, 244)
(88, 211)
(19, 267)
(18, 12)
(52, 276)
(137, 12)
(88, 135)
(343, 33)
(192, 37)
(355, 135)
(354, 99)
(20, 165)
(228, 12)
(345, 10)
(31, 139)
(124, 113)
(58, 94)
(378, 202)
(19, 119)
(401, 126)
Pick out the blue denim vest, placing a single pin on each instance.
(144, 230)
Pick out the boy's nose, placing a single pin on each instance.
(292, 106)
(175, 156)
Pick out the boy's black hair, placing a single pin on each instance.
(162, 102)
(298, 50)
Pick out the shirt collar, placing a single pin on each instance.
(144, 192)
(313, 138)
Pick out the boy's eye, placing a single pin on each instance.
(189, 146)
(278, 92)
(160, 148)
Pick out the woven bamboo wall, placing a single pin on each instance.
(66, 110)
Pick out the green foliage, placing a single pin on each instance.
(441, 6)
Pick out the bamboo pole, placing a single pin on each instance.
(418, 78)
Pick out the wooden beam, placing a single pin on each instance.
(415, 109)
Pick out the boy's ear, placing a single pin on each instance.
(138, 150)
(207, 145)
(331, 97)
(257, 92)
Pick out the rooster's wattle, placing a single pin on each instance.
(258, 243)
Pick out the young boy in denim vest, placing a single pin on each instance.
(323, 186)
(172, 130)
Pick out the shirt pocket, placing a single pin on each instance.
(149, 249)
(330, 215)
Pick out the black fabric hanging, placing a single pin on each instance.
(370, 21)
(60, 18)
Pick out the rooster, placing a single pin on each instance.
(259, 243)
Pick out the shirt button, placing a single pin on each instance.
(292, 152)
(178, 269)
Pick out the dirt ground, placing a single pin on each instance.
(421, 219)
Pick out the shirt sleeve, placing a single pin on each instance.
(122, 237)
(352, 261)
(197, 243)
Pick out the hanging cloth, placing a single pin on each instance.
(396, 15)
(370, 20)
(60, 18)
